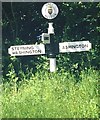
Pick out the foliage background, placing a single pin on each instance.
(77, 21)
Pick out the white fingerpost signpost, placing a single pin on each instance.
(49, 11)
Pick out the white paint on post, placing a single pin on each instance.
(52, 60)
(50, 28)
(52, 64)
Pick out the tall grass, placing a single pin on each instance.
(53, 95)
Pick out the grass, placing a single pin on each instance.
(53, 95)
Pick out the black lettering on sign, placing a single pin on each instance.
(71, 46)
(29, 52)
(20, 52)
(80, 45)
(15, 52)
(21, 48)
(26, 48)
(63, 47)
(83, 46)
(25, 52)
(15, 48)
(66, 47)
(37, 51)
(75, 46)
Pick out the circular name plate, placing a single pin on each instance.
(50, 10)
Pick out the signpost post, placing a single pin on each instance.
(49, 11)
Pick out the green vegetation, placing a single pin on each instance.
(76, 21)
(28, 89)
(52, 95)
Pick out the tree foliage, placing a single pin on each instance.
(76, 21)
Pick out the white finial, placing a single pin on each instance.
(50, 28)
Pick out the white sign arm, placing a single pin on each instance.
(22, 50)
(74, 46)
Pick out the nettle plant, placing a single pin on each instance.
(12, 78)
(16, 76)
